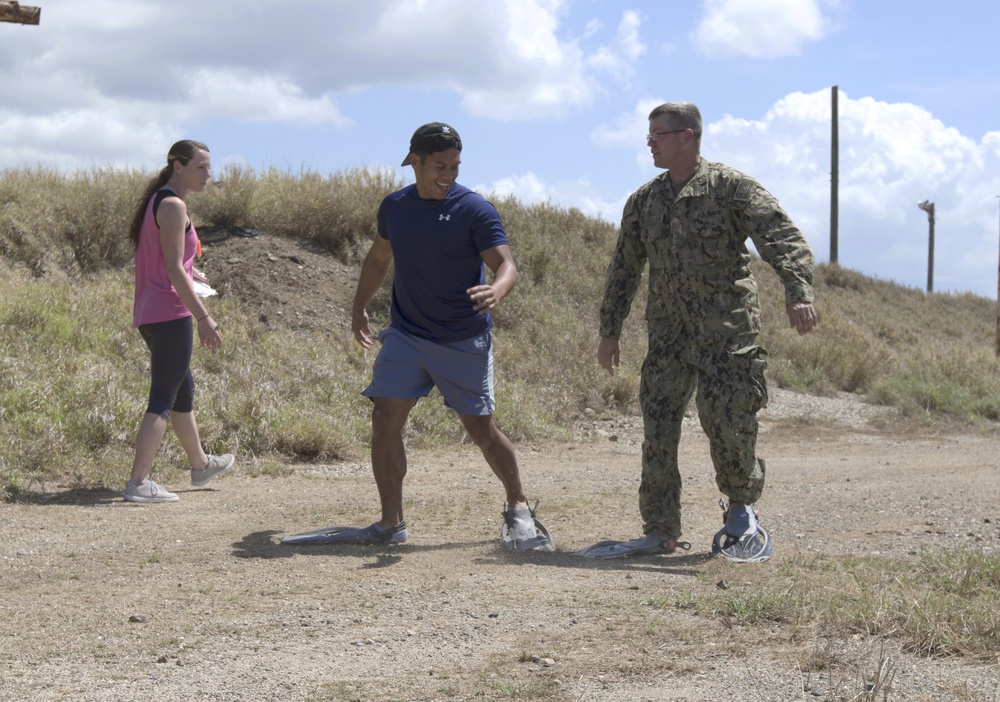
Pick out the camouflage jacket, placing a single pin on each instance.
(699, 266)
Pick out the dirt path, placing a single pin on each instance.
(106, 600)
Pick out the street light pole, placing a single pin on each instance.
(928, 207)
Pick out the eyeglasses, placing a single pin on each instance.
(655, 136)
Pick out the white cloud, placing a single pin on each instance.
(529, 189)
(761, 29)
(103, 15)
(258, 98)
(592, 27)
(628, 130)
(532, 73)
(148, 68)
(887, 151)
(619, 58)
(68, 139)
(891, 157)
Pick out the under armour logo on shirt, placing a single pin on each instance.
(444, 218)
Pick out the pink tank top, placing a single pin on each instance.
(156, 300)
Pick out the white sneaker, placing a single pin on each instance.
(741, 521)
(148, 491)
(217, 465)
(521, 531)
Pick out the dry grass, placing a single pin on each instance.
(65, 341)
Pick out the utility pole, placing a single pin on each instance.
(998, 305)
(834, 174)
(19, 14)
(928, 207)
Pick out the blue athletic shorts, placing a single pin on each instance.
(407, 367)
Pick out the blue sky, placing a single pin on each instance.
(551, 99)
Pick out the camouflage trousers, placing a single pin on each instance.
(730, 390)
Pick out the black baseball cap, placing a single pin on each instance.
(432, 137)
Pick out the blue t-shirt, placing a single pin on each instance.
(436, 247)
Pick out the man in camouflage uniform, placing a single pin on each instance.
(703, 316)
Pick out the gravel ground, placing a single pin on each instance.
(197, 600)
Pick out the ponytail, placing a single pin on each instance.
(140, 206)
(180, 152)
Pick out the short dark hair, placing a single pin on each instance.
(683, 115)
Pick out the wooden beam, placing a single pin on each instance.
(20, 14)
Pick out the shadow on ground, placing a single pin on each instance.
(74, 496)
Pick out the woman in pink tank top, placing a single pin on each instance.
(165, 311)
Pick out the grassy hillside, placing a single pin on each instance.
(74, 373)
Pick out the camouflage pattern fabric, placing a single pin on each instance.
(699, 264)
(703, 317)
(730, 390)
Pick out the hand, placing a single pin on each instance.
(359, 327)
(483, 297)
(609, 354)
(208, 333)
(198, 275)
(802, 317)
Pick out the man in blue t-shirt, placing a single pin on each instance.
(439, 234)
